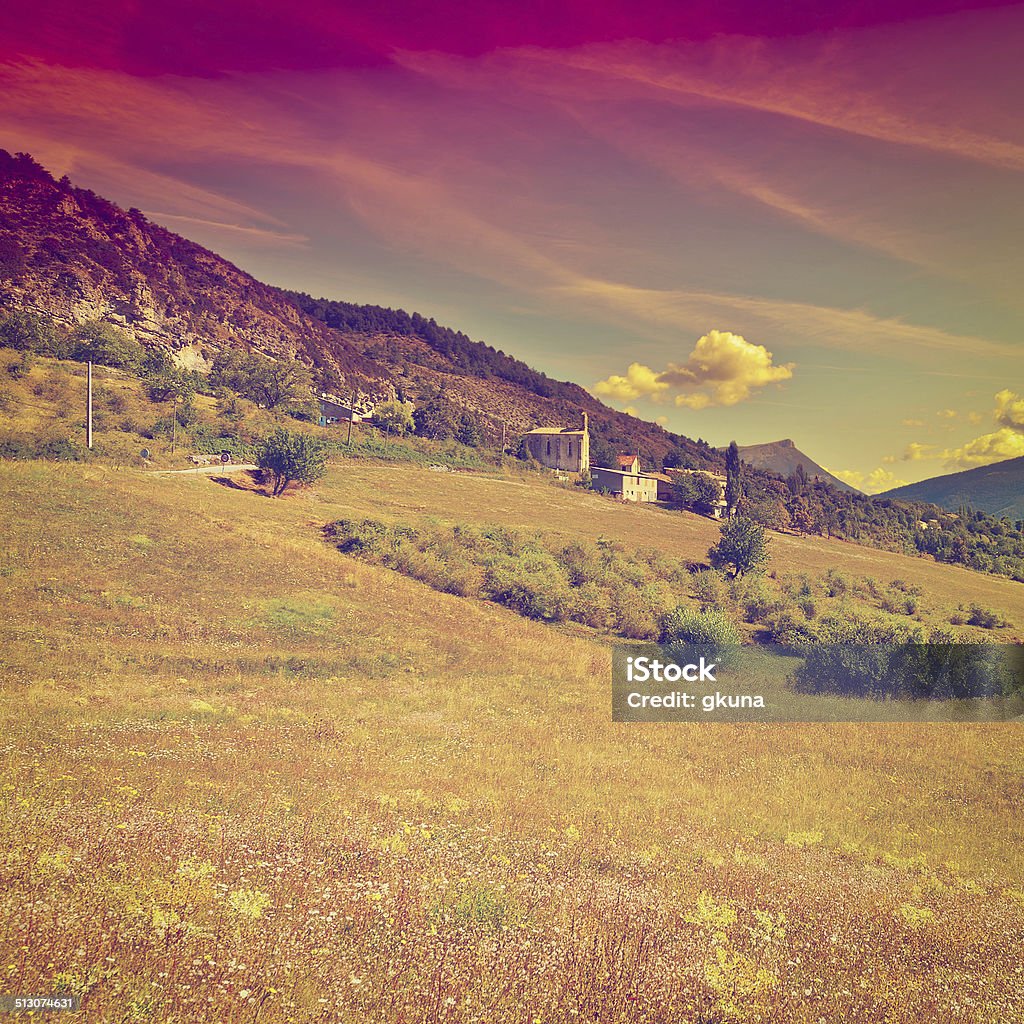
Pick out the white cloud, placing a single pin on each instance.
(1004, 443)
(722, 369)
(871, 483)
(1007, 442)
(639, 381)
(1009, 410)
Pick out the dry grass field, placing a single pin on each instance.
(246, 778)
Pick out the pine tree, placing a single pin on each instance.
(733, 478)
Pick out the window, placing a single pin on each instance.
(570, 449)
(549, 447)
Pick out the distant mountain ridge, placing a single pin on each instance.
(997, 489)
(783, 457)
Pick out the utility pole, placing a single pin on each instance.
(174, 421)
(351, 416)
(88, 411)
(502, 437)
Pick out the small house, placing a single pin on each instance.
(334, 412)
(627, 481)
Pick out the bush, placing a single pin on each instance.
(21, 367)
(914, 666)
(708, 589)
(986, 618)
(707, 628)
(539, 576)
(754, 597)
(789, 628)
(835, 583)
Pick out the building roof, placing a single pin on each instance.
(327, 405)
(622, 472)
(556, 430)
(627, 460)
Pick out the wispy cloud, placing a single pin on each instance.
(263, 236)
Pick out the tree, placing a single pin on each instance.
(733, 478)
(438, 419)
(270, 382)
(288, 457)
(800, 514)
(677, 458)
(394, 416)
(742, 547)
(768, 510)
(696, 491)
(797, 480)
(28, 332)
(103, 343)
(469, 432)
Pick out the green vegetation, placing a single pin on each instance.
(230, 749)
(706, 628)
(535, 574)
(291, 457)
(105, 344)
(907, 664)
(977, 540)
(395, 417)
(742, 547)
(269, 382)
(697, 492)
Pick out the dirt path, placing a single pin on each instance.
(217, 467)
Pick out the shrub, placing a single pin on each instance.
(635, 613)
(704, 628)
(986, 618)
(835, 583)
(708, 589)
(789, 628)
(21, 367)
(754, 597)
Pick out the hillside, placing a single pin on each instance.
(783, 457)
(73, 256)
(294, 786)
(997, 489)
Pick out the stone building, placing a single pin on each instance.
(564, 448)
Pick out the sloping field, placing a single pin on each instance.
(248, 779)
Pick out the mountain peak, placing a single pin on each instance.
(783, 457)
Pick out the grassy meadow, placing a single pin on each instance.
(249, 778)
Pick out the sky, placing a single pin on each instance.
(744, 221)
